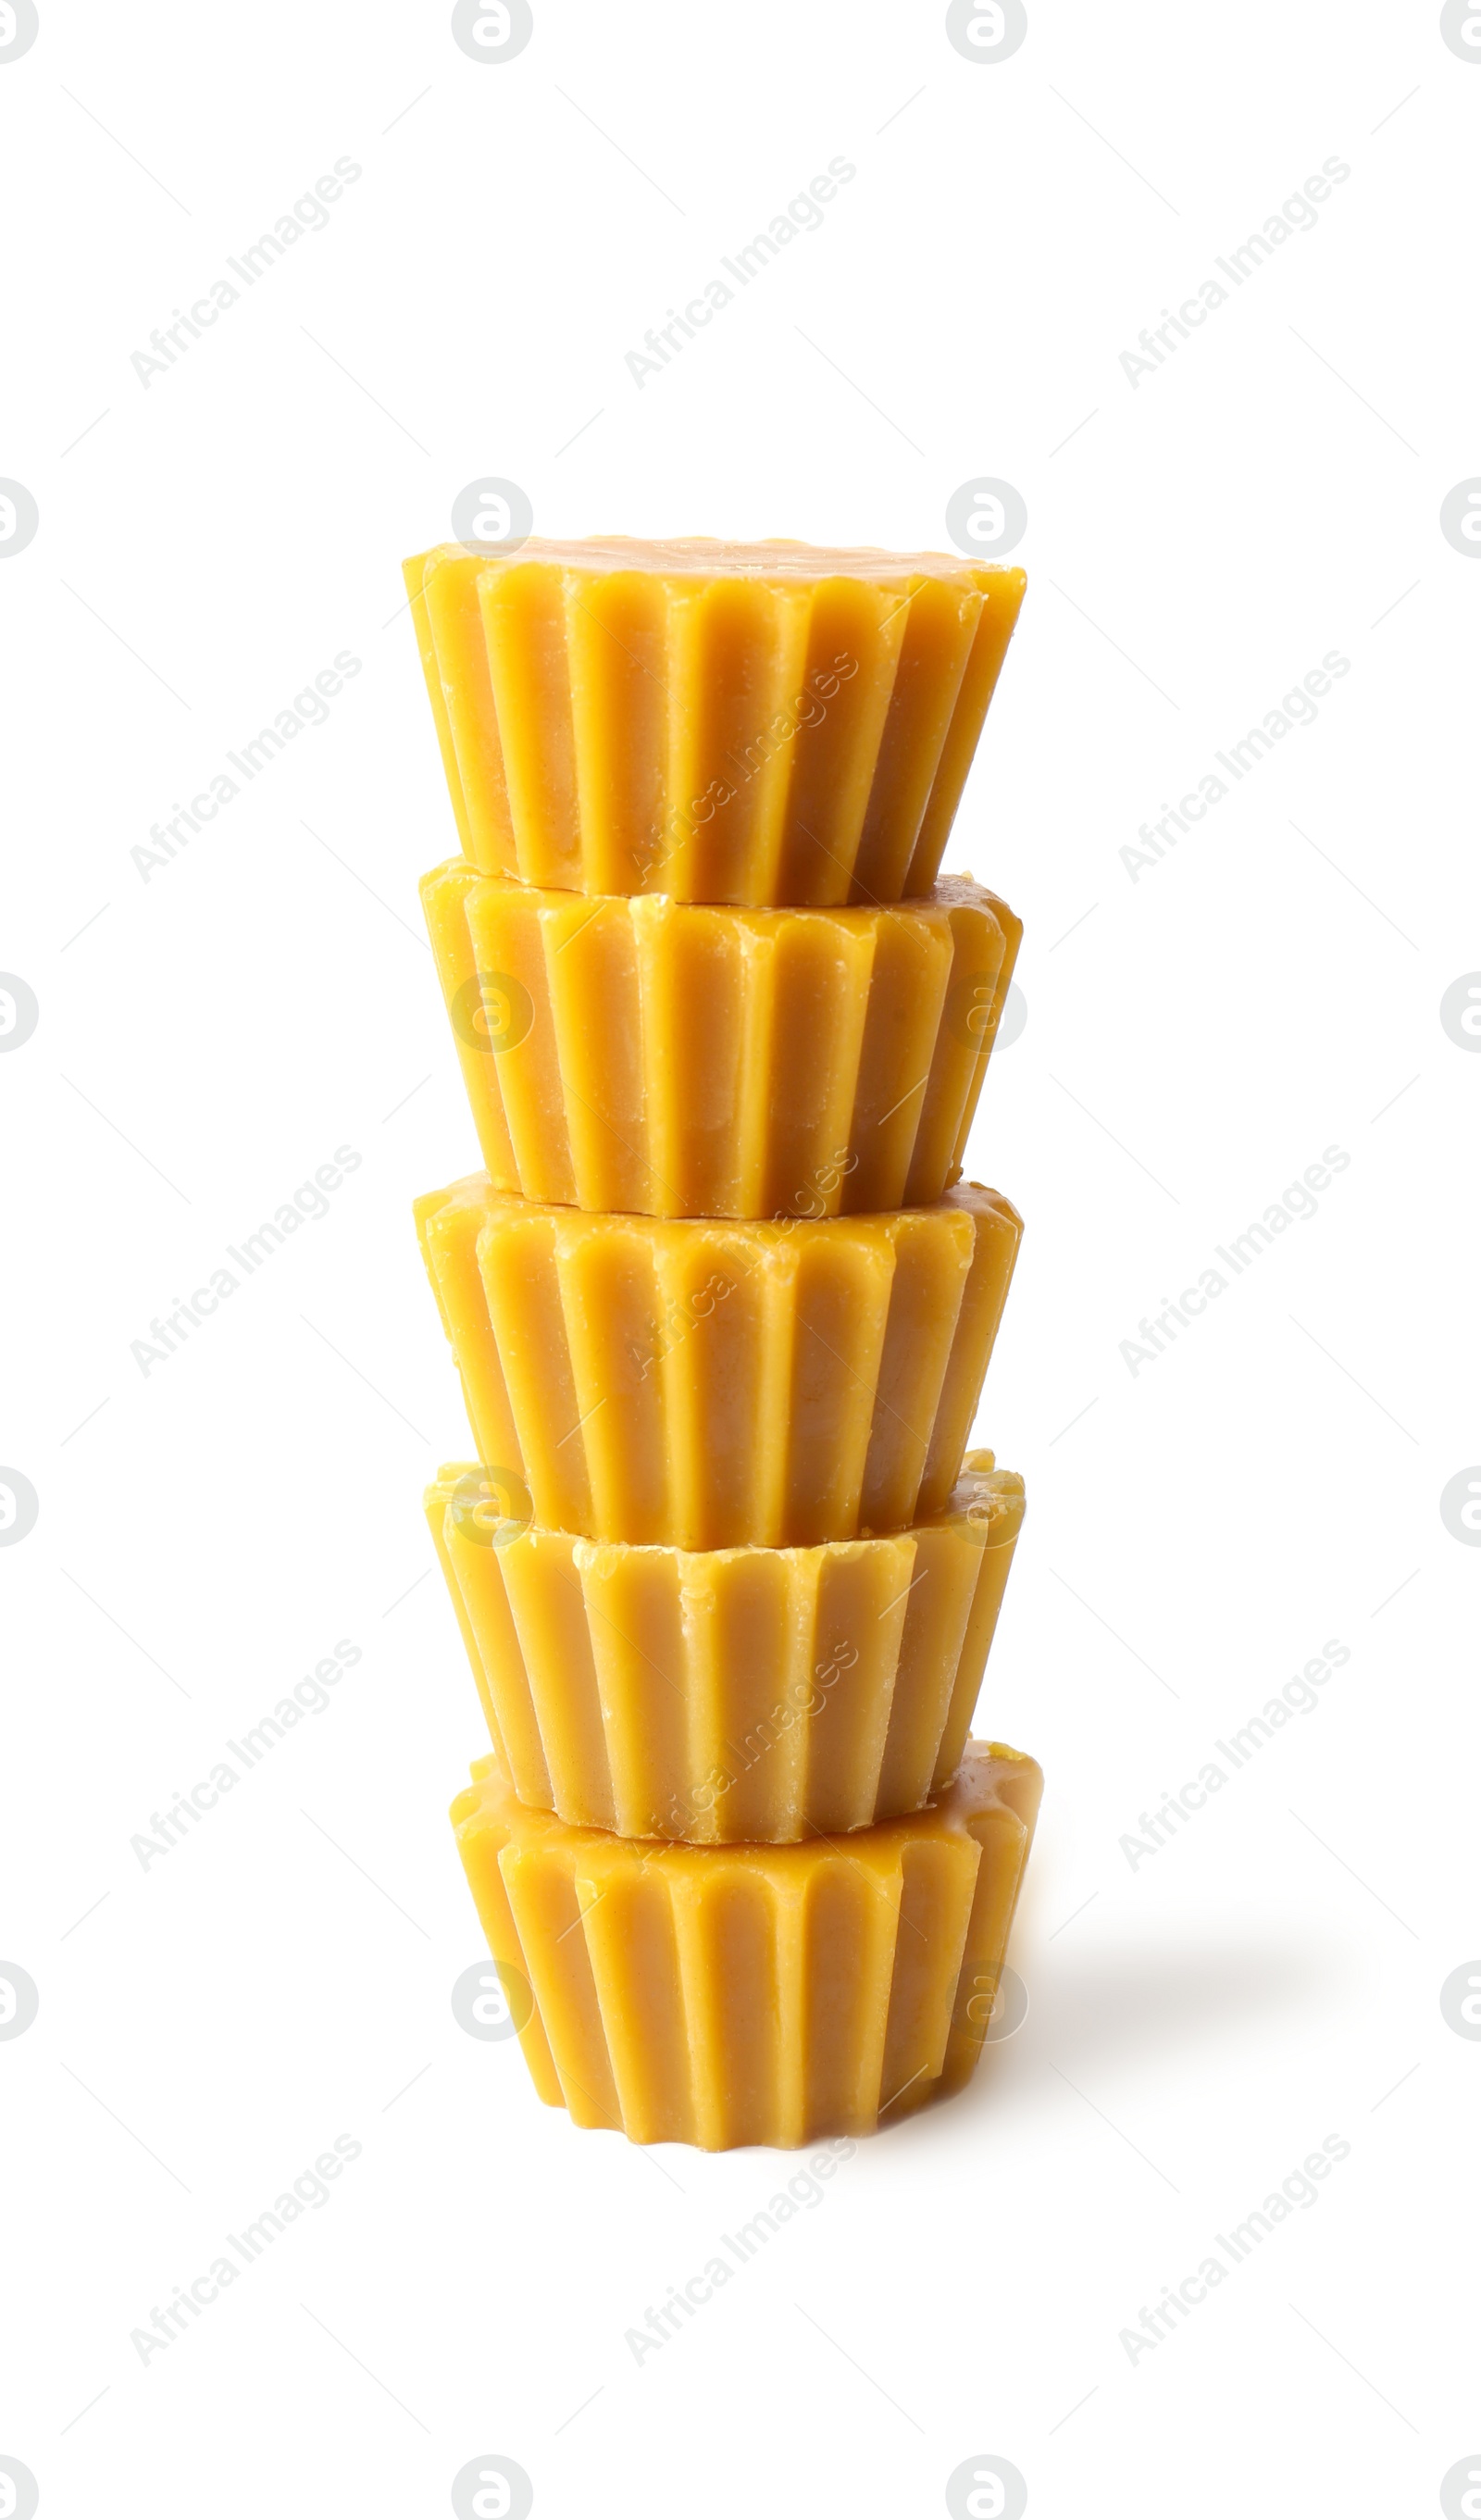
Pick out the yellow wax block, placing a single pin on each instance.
(719, 722)
(721, 1996)
(444, 603)
(731, 1694)
(660, 1057)
(414, 572)
(708, 1385)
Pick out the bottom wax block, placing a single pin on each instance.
(737, 1995)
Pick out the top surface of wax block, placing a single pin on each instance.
(760, 723)
(705, 555)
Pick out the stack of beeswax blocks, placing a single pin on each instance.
(722, 1304)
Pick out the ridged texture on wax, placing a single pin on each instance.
(720, 723)
(721, 1996)
(672, 1059)
(752, 1694)
(709, 1384)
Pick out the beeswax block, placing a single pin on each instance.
(720, 1996)
(761, 1695)
(751, 722)
(713, 1386)
(640, 1054)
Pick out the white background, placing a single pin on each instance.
(1195, 1038)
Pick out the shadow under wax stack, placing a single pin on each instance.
(722, 1304)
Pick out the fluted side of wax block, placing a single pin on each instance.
(723, 1996)
(414, 572)
(708, 1385)
(758, 1696)
(670, 1059)
(443, 589)
(762, 724)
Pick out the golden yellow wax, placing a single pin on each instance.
(754, 723)
(752, 1694)
(640, 1054)
(743, 1995)
(710, 1385)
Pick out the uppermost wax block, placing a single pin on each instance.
(759, 723)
